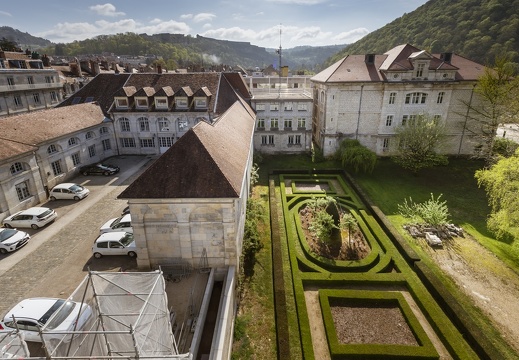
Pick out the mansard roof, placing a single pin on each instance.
(145, 91)
(208, 161)
(203, 91)
(165, 91)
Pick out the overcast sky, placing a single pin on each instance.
(302, 22)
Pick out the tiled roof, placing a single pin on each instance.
(351, 69)
(209, 161)
(34, 128)
(10, 149)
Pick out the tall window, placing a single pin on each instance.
(263, 139)
(22, 190)
(301, 123)
(53, 96)
(30, 81)
(10, 82)
(291, 140)
(144, 124)
(75, 159)
(106, 144)
(89, 135)
(127, 142)
(389, 120)
(440, 97)
(49, 79)
(298, 140)
(415, 98)
(261, 123)
(56, 167)
(385, 144)
(18, 101)
(103, 130)
(36, 98)
(16, 168)
(125, 124)
(288, 124)
(52, 149)
(163, 124)
(147, 143)
(165, 141)
(271, 139)
(419, 70)
(274, 123)
(392, 97)
(92, 150)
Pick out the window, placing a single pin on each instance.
(125, 124)
(165, 141)
(261, 123)
(89, 135)
(385, 144)
(288, 106)
(263, 139)
(182, 125)
(92, 150)
(142, 102)
(73, 141)
(53, 96)
(103, 130)
(301, 123)
(298, 140)
(56, 167)
(52, 149)
(49, 79)
(75, 159)
(440, 97)
(291, 140)
(181, 103)
(288, 124)
(301, 107)
(18, 101)
(127, 142)
(415, 98)
(16, 168)
(121, 103)
(144, 124)
(419, 70)
(106, 144)
(163, 124)
(260, 107)
(161, 103)
(271, 139)
(274, 107)
(408, 119)
(392, 97)
(30, 81)
(147, 143)
(22, 190)
(274, 123)
(10, 82)
(389, 120)
(201, 103)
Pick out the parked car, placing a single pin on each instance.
(114, 243)
(12, 239)
(68, 191)
(99, 169)
(125, 211)
(34, 217)
(432, 239)
(31, 315)
(122, 223)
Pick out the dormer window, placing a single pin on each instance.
(121, 103)
(201, 103)
(420, 70)
(161, 103)
(181, 103)
(142, 103)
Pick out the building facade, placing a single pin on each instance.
(26, 84)
(367, 97)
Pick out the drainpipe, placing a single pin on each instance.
(358, 117)
(466, 118)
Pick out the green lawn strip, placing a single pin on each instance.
(292, 337)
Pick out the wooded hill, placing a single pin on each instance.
(477, 29)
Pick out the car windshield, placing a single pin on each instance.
(116, 222)
(51, 311)
(105, 167)
(127, 239)
(76, 188)
(42, 215)
(6, 234)
(61, 316)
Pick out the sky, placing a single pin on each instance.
(268, 23)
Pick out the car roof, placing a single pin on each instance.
(32, 308)
(127, 217)
(35, 210)
(114, 236)
(64, 186)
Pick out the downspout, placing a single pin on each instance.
(466, 119)
(358, 117)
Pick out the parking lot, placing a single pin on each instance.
(58, 256)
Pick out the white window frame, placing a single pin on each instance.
(127, 142)
(124, 123)
(144, 124)
(121, 103)
(392, 98)
(181, 102)
(76, 159)
(106, 144)
(141, 102)
(92, 151)
(56, 167)
(16, 168)
(22, 190)
(161, 102)
(389, 120)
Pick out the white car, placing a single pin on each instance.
(114, 243)
(122, 223)
(34, 217)
(12, 239)
(68, 191)
(31, 315)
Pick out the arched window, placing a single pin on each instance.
(73, 141)
(144, 124)
(103, 130)
(90, 135)
(163, 123)
(125, 124)
(16, 168)
(52, 149)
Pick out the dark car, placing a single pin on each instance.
(99, 169)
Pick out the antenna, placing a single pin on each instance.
(280, 66)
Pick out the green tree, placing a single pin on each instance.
(348, 222)
(501, 183)
(353, 155)
(8, 45)
(419, 140)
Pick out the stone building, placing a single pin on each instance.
(366, 97)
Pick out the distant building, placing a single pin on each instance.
(26, 84)
(366, 97)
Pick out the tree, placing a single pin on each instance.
(419, 139)
(352, 154)
(348, 222)
(8, 45)
(501, 183)
(497, 91)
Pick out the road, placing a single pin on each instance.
(58, 256)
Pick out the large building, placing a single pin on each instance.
(366, 97)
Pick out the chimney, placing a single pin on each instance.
(447, 57)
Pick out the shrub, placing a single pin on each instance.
(504, 147)
(352, 154)
(432, 212)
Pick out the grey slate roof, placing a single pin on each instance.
(209, 161)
